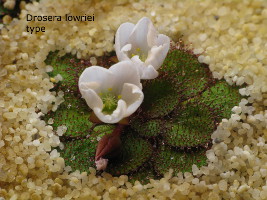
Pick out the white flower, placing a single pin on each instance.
(113, 93)
(143, 45)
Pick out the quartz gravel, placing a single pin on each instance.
(231, 37)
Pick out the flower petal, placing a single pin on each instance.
(124, 52)
(157, 54)
(137, 60)
(133, 96)
(145, 71)
(151, 35)
(139, 64)
(125, 72)
(104, 77)
(92, 99)
(126, 48)
(122, 38)
(163, 39)
(89, 85)
(115, 117)
(138, 37)
(149, 72)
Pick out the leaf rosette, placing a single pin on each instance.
(171, 129)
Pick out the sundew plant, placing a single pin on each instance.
(179, 105)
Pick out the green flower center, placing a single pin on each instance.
(110, 101)
(142, 55)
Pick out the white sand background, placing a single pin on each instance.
(231, 35)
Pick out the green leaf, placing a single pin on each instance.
(74, 114)
(161, 97)
(147, 129)
(135, 152)
(191, 125)
(69, 68)
(183, 66)
(102, 130)
(3, 10)
(80, 154)
(178, 160)
(222, 97)
(144, 174)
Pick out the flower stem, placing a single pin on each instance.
(118, 130)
